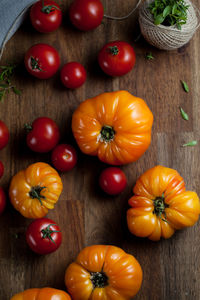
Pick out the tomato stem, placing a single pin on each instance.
(28, 127)
(99, 279)
(47, 9)
(46, 233)
(159, 207)
(107, 133)
(114, 50)
(35, 64)
(35, 193)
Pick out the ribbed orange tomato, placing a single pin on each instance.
(35, 190)
(161, 204)
(103, 273)
(42, 294)
(114, 126)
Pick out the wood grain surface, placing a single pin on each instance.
(86, 216)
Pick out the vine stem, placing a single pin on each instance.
(124, 17)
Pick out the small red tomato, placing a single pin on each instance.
(46, 16)
(64, 157)
(2, 200)
(86, 14)
(116, 58)
(43, 236)
(43, 135)
(42, 61)
(1, 169)
(73, 75)
(112, 181)
(4, 135)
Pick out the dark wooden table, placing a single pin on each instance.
(86, 216)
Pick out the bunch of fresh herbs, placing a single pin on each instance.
(169, 12)
(6, 73)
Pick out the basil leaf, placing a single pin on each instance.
(174, 9)
(16, 91)
(184, 115)
(3, 85)
(185, 86)
(167, 11)
(190, 144)
(159, 19)
(149, 56)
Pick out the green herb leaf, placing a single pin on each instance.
(16, 91)
(6, 73)
(158, 20)
(149, 56)
(3, 85)
(167, 11)
(192, 143)
(185, 86)
(184, 114)
(174, 9)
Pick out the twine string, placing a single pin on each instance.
(124, 17)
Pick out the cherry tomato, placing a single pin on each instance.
(116, 58)
(64, 157)
(4, 135)
(46, 16)
(43, 236)
(42, 61)
(112, 181)
(1, 169)
(43, 135)
(2, 200)
(86, 14)
(73, 75)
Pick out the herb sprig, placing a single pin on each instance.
(169, 12)
(149, 56)
(6, 73)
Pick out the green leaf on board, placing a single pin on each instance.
(184, 115)
(185, 86)
(190, 144)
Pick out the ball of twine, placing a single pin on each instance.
(168, 37)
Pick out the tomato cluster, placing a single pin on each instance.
(120, 132)
(42, 60)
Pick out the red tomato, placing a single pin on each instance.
(64, 157)
(43, 236)
(1, 169)
(73, 75)
(2, 200)
(116, 58)
(4, 135)
(46, 16)
(112, 181)
(86, 14)
(42, 61)
(43, 135)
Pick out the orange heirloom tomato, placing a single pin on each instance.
(42, 294)
(114, 126)
(161, 204)
(35, 190)
(103, 273)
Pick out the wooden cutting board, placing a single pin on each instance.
(85, 215)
